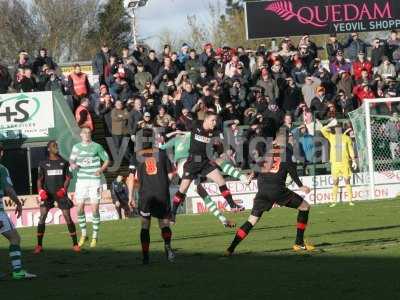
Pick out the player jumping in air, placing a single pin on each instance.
(198, 163)
(181, 145)
(86, 158)
(153, 171)
(340, 155)
(53, 182)
(274, 166)
(6, 227)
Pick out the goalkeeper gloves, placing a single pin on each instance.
(43, 196)
(61, 193)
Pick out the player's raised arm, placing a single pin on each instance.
(325, 130)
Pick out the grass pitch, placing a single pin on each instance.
(358, 257)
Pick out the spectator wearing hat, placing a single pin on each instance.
(355, 45)
(141, 77)
(319, 104)
(386, 69)
(360, 64)
(152, 64)
(333, 46)
(268, 85)
(119, 123)
(23, 60)
(339, 64)
(309, 89)
(100, 61)
(41, 60)
(183, 55)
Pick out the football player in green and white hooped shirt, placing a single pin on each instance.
(6, 227)
(86, 158)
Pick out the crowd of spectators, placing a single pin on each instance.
(260, 88)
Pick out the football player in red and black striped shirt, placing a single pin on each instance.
(53, 181)
(274, 166)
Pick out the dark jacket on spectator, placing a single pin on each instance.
(40, 62)
(152, 66)
(99, 63)
(332, 49)
(355, 46)
(377, 54)
(320, 107)
(5, 79)
(189, 99)
(291, 97)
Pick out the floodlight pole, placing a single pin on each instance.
(133, 24)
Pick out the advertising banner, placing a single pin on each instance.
(387, 185)
(278, 18)
(26, 115)
(31, 211)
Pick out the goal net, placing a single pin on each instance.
(376, 126)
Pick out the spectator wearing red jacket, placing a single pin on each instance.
(362, 64)
(365, 92)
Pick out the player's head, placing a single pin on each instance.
(120, 178)
(210, 120)
(1, 150)
(86, 135)
(52, 147)
(146, 138)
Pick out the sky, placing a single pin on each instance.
(159, 15)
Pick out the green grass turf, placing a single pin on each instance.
(358, 257)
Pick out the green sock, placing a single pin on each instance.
(15, 255)
(96, 225)
(82, 224)
(229, 169)
(212, 208)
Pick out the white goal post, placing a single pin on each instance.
(376, 127)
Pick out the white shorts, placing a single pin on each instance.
(88, 190)
(5, 223)
(180, 165)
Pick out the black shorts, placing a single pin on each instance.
(158, 206)
(193, 168)
(266, 198)
(64, 203)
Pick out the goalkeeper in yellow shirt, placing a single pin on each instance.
(341, 157)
